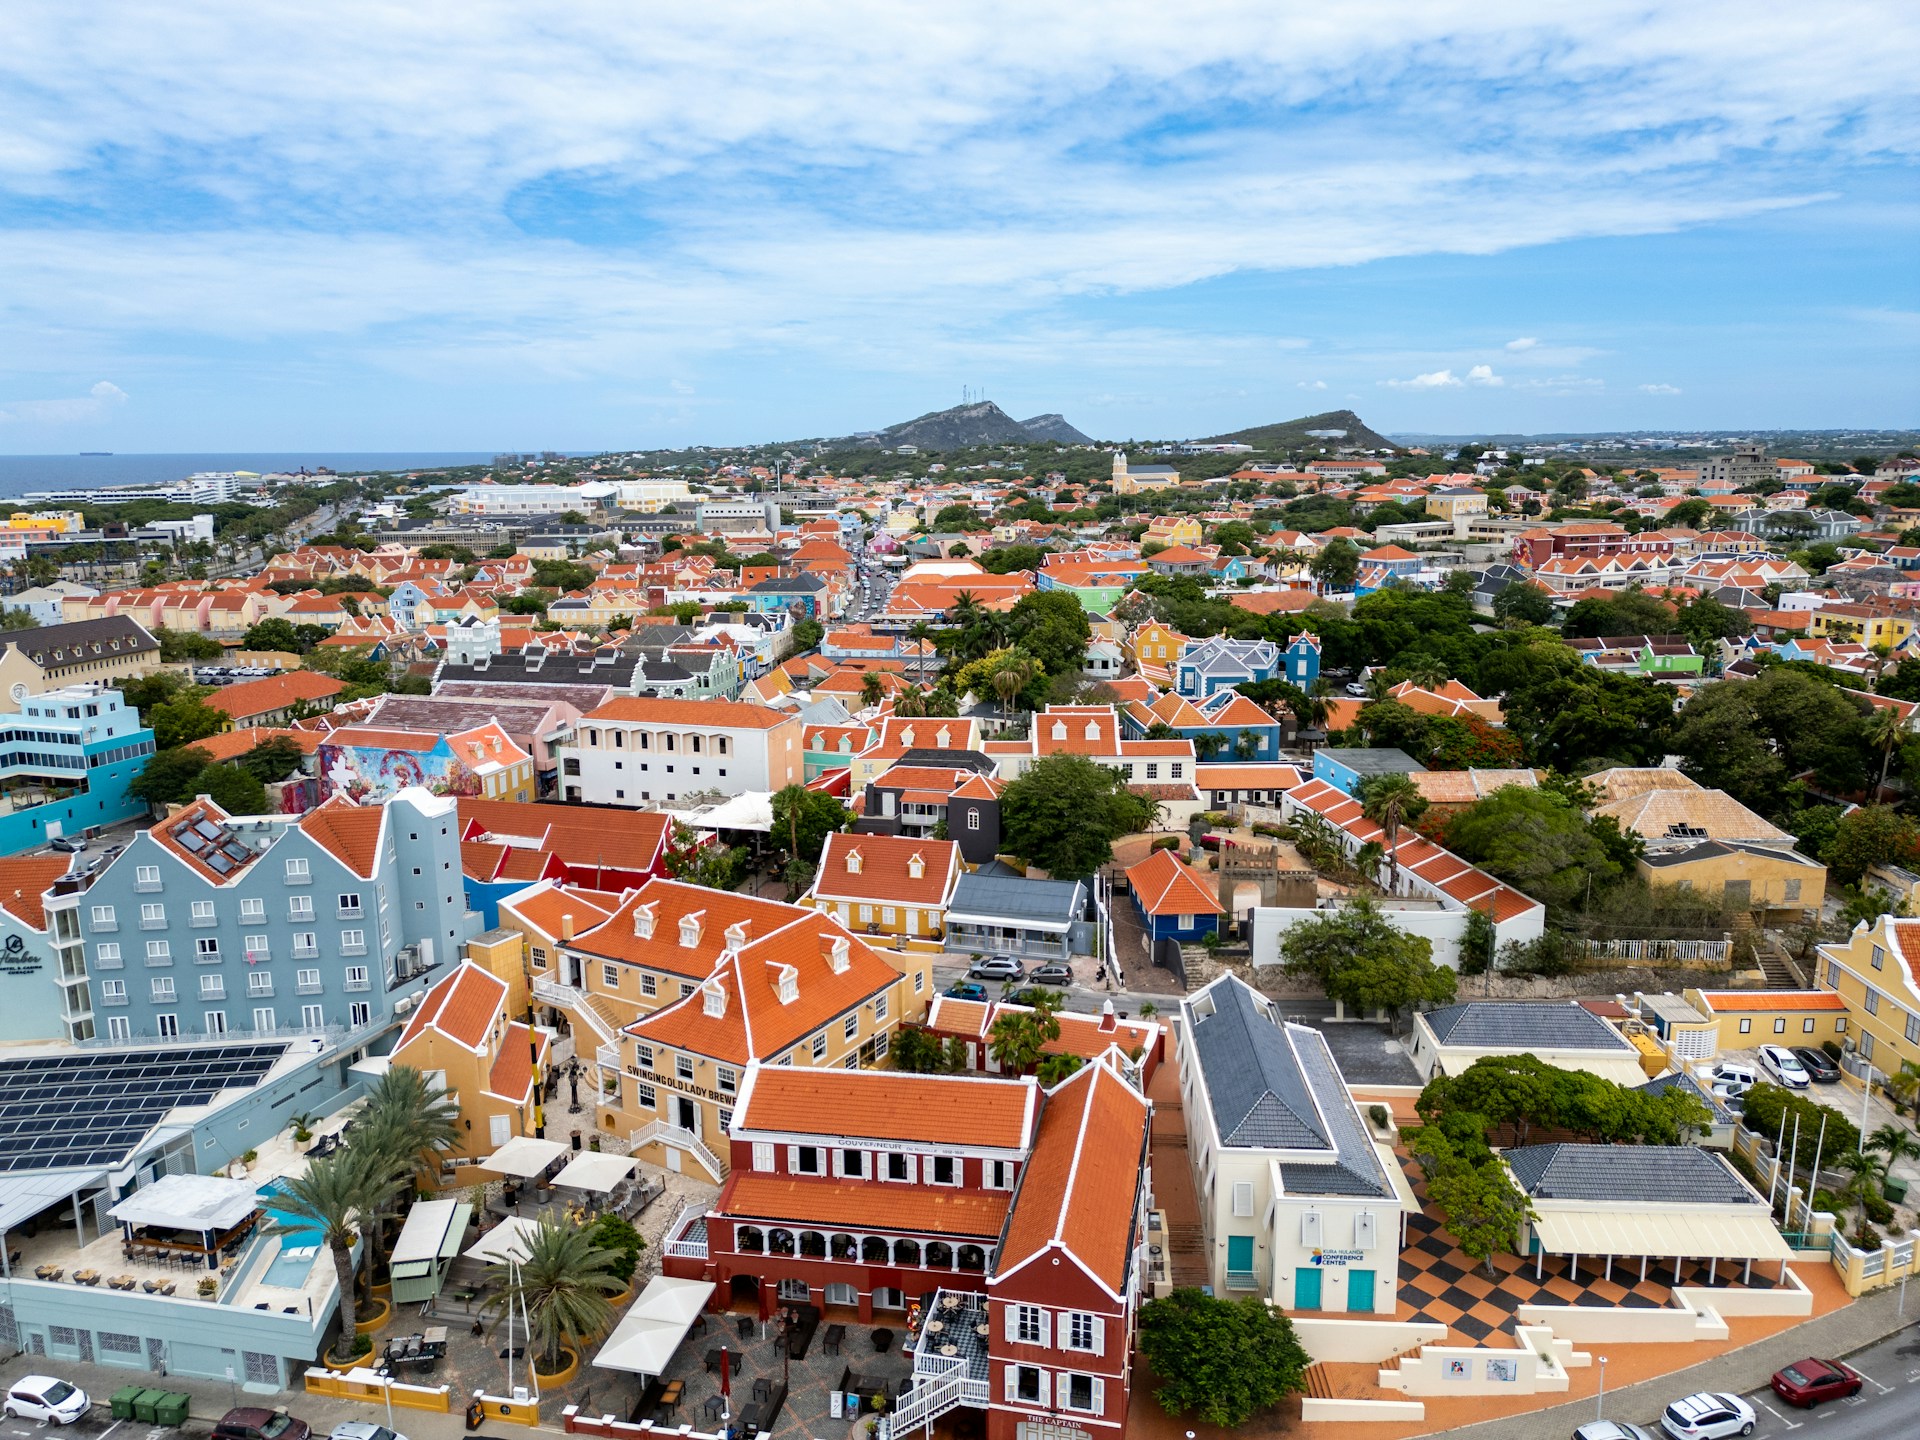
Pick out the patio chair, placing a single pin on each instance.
(747, 1325)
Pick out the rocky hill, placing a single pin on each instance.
(1334, 429)
(981, 423)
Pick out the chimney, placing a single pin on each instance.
(566, 926)
(643, 921)
(1108, 1022)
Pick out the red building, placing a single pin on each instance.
(1588, 540)
(1000, 1224)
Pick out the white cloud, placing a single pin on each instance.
(101, 398)
(1432, 380)
(1525, 342)
(1483, 375)
(1660, 389)
(1313, 385)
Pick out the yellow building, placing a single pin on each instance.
(891, 888)
(1457, 500)
(60, 522)
(1154, 649)
(1745, 1018)
(773, 983)
(1876, 971)
(1858, 624)
(1174, 530)
(461, 1039)
(1784, 883)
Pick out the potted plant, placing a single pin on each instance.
(208, 1287)
(302, 1128)
(248, 1158)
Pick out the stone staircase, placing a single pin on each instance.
(1187, 1255)
(1319, 1387)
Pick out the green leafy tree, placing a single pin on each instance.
(802, 820)
(919, 1053)
(1361, 958)
(274, 634)
(1522, 603)
(1223, 1361)
(1050, 626)
(616, 1235)
(1065, 812)
(807, 635)
(1335, 565)
(169, 776)
(337, 1196)
(273, 759)
(956, 517)
(1020, 1038)
(1867, 836)
(1481, 1209)
(1537, 841)
(717, 866)
(563, 1284)
(182, 720)
(179, 645)
(234, 790)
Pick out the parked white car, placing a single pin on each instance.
(44, 1397)
(1707, 1415)
(1729, 1077)
(1785, 1066)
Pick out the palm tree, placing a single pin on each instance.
(1388, 800)
(563, 1284)
(1426, 672)
(1368, 859)
(1884, 730)
(1894, 1142)
(872, 691)
(336, 1196)
(921, 633)
(1867, 1171)
(423, 1121)
(1011, 676)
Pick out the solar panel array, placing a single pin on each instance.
(93, 1108)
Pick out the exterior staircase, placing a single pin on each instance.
(930, 1399)
(580, 1009)
(1187, 1256)
(685, 1141)
(1319, 1387)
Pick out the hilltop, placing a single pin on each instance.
(1297, 434)
(980, 423)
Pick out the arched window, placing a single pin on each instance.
(906, 1252)
(873, 1250)
(972, 1257)
(939, 1255)
(780, 1242)
(842, 1247)
(749, 1240)
(813, 1245)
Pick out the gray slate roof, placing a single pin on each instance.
(73, 642)
(1515, 1026)
(1628, 1174)
(1275, 1086)
(1680, 1080)
(1019, 899)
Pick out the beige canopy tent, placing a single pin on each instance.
(524, 1156)
(593, 1170)
(511, 1239)
(644, 1341)
(1703, 1234)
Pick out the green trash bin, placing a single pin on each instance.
(1894, 1190)
(122, 1402)
(171, 1409)
(144, 1403)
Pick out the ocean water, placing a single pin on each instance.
(21, 473)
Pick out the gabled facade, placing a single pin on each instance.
(1207, 667)
(894, 889)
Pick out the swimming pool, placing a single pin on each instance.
(300, 1242)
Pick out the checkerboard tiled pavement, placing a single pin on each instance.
(1443, 1285)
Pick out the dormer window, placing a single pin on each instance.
(943, 737)
(737, 934)
(853, 862)
(690, 930)
(1059, 729)
(713, 999)
(786, 984)
(1093, 729)
(906, 737)
(839, 954)
(643, 921)
(917, 867)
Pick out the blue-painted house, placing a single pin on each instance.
(805, 595)
(1300, 661)
(66, 759)
(1207, 667)
(1227, 724)
(1172, 901)
(1349, 769)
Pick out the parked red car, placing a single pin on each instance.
(1808, 1382)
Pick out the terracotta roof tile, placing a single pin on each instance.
(276, 692)
(349, 832)
(24, 881)
(1164, 886)
(511, 1077)
(885, 869)
(854, 1204)
(890, 1105)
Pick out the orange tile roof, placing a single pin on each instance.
(276, 692)
(1759, 1000)
(620, 839)
(462, 1007)
(1167, 887)
(24, 881)
(1253, 776)
(511, 1077)
(890, 1105)
(884, 872)
(854, 1204)
(372, 737)
(349, 832)
(547, 907)
(232, 744)
(708, 714)
(1080, 1190)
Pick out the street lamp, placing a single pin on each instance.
(1600, 1409)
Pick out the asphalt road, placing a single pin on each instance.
(1887, 1407)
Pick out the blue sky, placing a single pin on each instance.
(468, 225)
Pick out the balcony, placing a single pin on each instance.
(357, 986)
(1243, 1280)
(689, 1235)
(350, 913)
(309, 987)
(258, 957)
(148, 887)
(608, 1056)
(300, 917)
(163, 997)
(156, 962)
(202, 922)
(114, 1000)
(206, 957)
(259, 987)
(153, 922)
(105, 962)
(305, 952)
(348, 947)
(97, 926)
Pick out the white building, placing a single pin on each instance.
(42, 602)
(646, 752)
(1299, 1203)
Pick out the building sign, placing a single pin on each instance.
(16, 959)
(1338, 1257)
